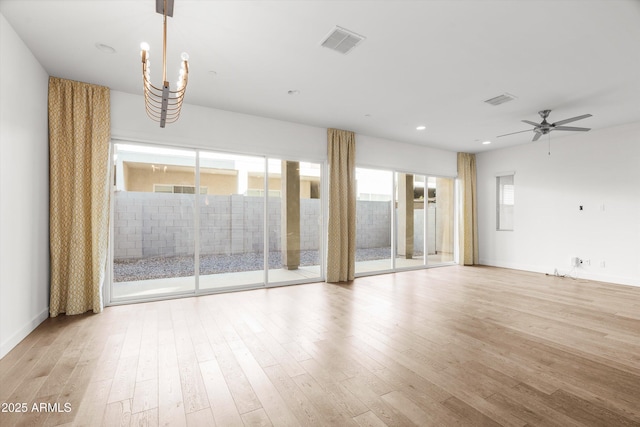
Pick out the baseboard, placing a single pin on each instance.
(14, 340)
(581, 272)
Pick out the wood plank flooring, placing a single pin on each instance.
(439, 347)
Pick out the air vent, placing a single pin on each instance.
(342, 40)
(505, 97)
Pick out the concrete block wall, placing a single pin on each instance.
(156, 224)
(252, 225)
(372, 224)
(274, 207)
(215, 224)
(310, 224)
(149, 225)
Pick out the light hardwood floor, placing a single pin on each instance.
(446, 346)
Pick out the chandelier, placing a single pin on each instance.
(163, 104)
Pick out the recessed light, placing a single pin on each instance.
(213, 73)
(294, 92)
(105, 48)
(368, 116)
(486, 142)
(421, 127)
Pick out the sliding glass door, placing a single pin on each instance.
(440, 223)
(190, 221)
(294, 221)
(374, 199)
(414, 211)
(231, 221)
(153, 221)
(410, 220)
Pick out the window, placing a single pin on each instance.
(180, 189)
(505, 202)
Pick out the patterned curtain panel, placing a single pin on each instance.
(469, 210)
(79, 136)
(341, 250)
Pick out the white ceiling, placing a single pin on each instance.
(429, 63)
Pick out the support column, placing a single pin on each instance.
(405, 215)
(290, 213)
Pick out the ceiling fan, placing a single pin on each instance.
(544, 127)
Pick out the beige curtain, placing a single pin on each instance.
(79, 135)
(341, 250)
(468, 224)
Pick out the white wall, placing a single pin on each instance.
(24, 191)
(599, 170)
(207, 128)
(377, 152)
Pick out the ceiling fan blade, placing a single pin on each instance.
(571, 128)
(536, 137)
(573, 119)
(530, 123)
(513, 133)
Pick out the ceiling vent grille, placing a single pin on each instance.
(501, 99)
(341, 40)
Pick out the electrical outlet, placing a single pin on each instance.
(587, 262)
(601, 264)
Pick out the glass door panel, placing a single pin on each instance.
(154, 222)
(231, 212)
(294, 221)
(374, 197)
(410, 220)
(440, 222)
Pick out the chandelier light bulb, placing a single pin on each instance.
(144, 46)
(184, 56)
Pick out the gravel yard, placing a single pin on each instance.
(180, 266)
